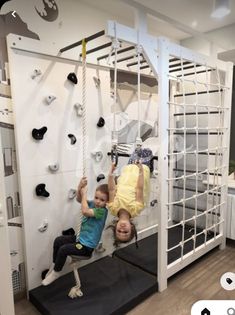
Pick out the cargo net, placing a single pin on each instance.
(196, 148)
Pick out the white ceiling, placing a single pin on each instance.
(193, 14)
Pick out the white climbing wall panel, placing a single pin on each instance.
(60, 117)
(34, 156)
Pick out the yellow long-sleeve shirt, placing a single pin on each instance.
(125, 197)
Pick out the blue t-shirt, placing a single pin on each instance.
(92, 227)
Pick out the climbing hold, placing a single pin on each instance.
(69, 231)
(38, 134)
(72, 138)
(54, 167)
(72, 77)
(101, 122)
(79, 109)
(41, 191)
(155, 173)
(49, 99)
(153, 202)
(100, 177)
(43, 227)
(97, 81)
(72, 193)
(98, 155)
(36, 73)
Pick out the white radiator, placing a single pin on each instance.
(231, 217)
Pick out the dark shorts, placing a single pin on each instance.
(143, 155)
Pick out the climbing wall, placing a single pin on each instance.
(49, 144)
(60, 117)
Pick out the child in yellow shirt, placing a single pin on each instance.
(128, 198)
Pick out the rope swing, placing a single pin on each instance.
(138, 143)
(84, 127)
(114, 152)
(84, 135)
(139, 53)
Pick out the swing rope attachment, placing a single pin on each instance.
(139, 51)
(114, 150)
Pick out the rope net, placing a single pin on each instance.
(196, 148)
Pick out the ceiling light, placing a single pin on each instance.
(221, 9)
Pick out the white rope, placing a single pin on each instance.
(193, 237)
(84, 131)
(115, 47)
(218, 159)
(199, 151)
(84, 127)
(199, 105)
(185, 152)
(199, 82)
(194, 196)
(199, 215)
(208, 157)
(115, 91)
(203, 172)
(114, 133)
(139, 51)
(184, 157)
(205, 129)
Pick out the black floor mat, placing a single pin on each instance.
(110, 286)
(145, 257)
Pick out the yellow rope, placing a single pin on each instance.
(83, 48)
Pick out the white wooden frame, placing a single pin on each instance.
(157, 51)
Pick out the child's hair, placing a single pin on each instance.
(104, 189)
(117, 242)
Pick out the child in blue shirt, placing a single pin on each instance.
(93, 222)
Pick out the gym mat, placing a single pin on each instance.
(145, 256)
(109, 285)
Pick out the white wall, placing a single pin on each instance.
(75, 21)
(223, 39)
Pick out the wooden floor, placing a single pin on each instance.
(199, 281)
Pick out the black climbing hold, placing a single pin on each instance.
(101, 122)
(72, 77)
(43, 274)
(69, 231)
(153, 202)
(41, 191)
(38, 134)
(72, 138)
(100, 177)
